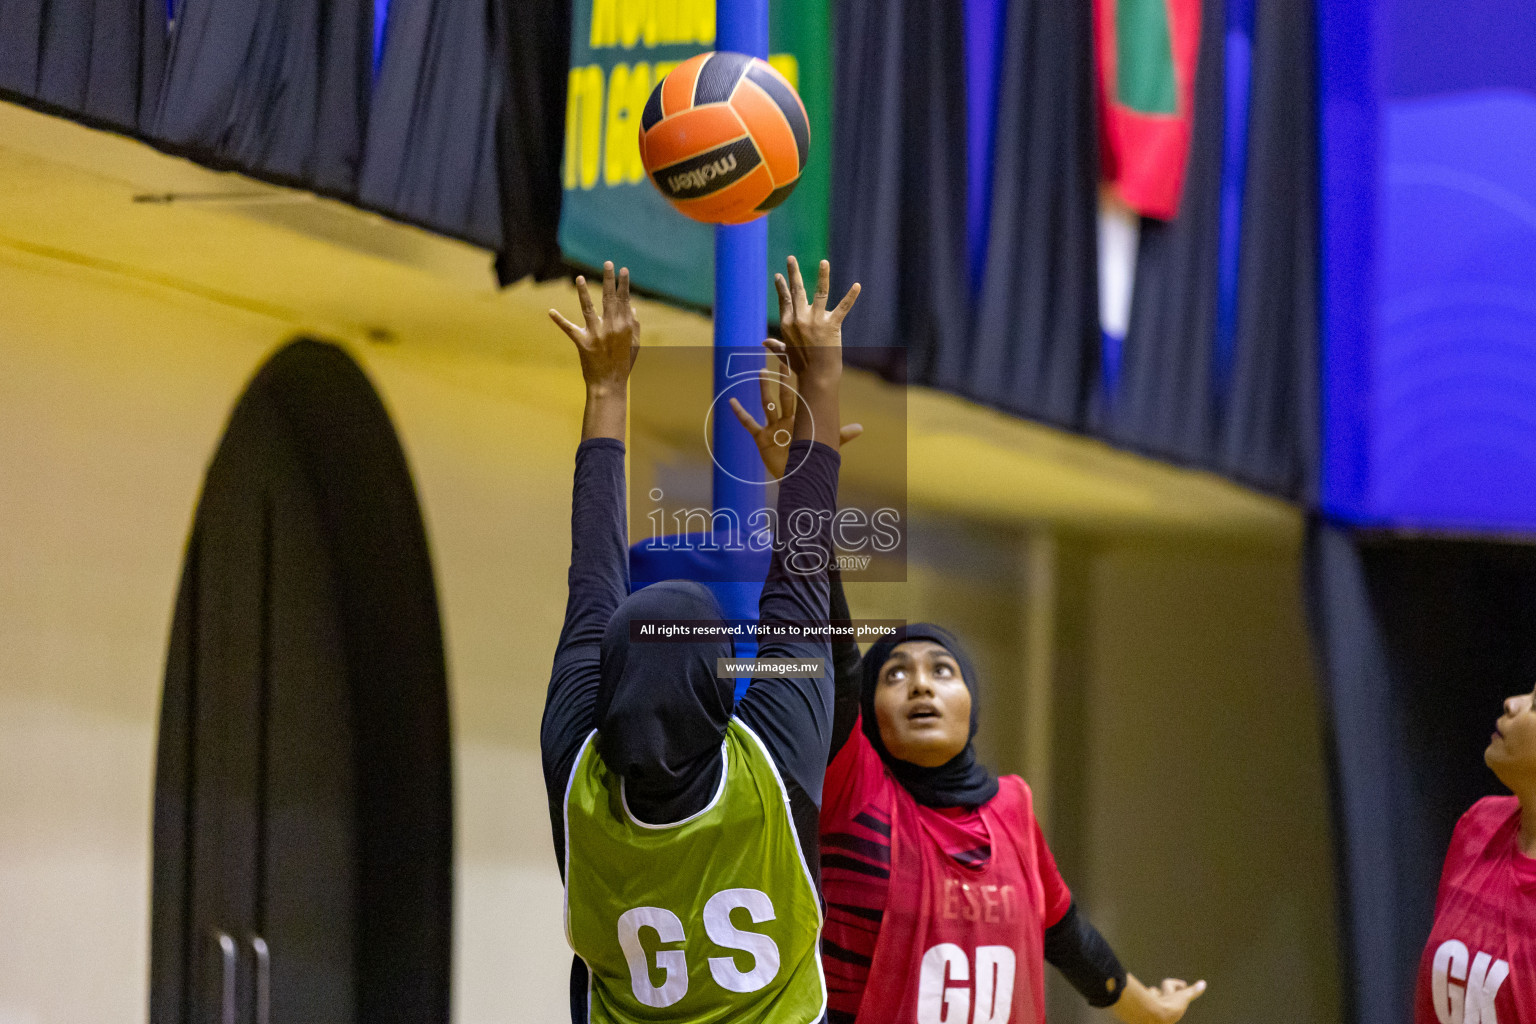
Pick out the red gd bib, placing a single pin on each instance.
(961, 944)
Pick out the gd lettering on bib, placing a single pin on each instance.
(961, 944)
(708, 919)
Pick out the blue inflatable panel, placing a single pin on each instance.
(1429, 231)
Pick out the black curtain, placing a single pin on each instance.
(1033, 350)
(276, 89)
(536, 47)
(1163, 402)
(100, 60)
(1029, 342)
(1259, 426)
(898, 180)
(1419, 641)
(460, 131)
(1271, 420)
(431, 155)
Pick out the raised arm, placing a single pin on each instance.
(846, 680)
(794, 716)
(607, 346)
(777, 384)
(599, 572)
(796, 587)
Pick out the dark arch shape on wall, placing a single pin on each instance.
(303, 792)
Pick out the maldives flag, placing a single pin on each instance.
(1146, 59)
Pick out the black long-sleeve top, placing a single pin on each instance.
(793, 717)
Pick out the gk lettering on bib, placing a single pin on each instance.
(1464, 991)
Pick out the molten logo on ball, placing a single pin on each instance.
(695, 181)
(708, 174)
(724, 137)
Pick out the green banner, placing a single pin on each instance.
(620, 49)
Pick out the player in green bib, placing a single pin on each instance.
(739, 858)
(686, 821)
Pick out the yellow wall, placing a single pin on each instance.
(112, 400)
(1201, 839)
(1204, 841)
(1187, 794)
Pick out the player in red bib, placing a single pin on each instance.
(943, 900)
(1479, 966)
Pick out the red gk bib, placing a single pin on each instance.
(1479, 965)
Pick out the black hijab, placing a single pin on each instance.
(661, 711)
(958, 782)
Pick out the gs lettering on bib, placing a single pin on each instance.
(673, 963)
(706, 919)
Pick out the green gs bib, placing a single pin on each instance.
(710, 919)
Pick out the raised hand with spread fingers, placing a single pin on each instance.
(813, 346)
(607, 346)
(777, 386)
